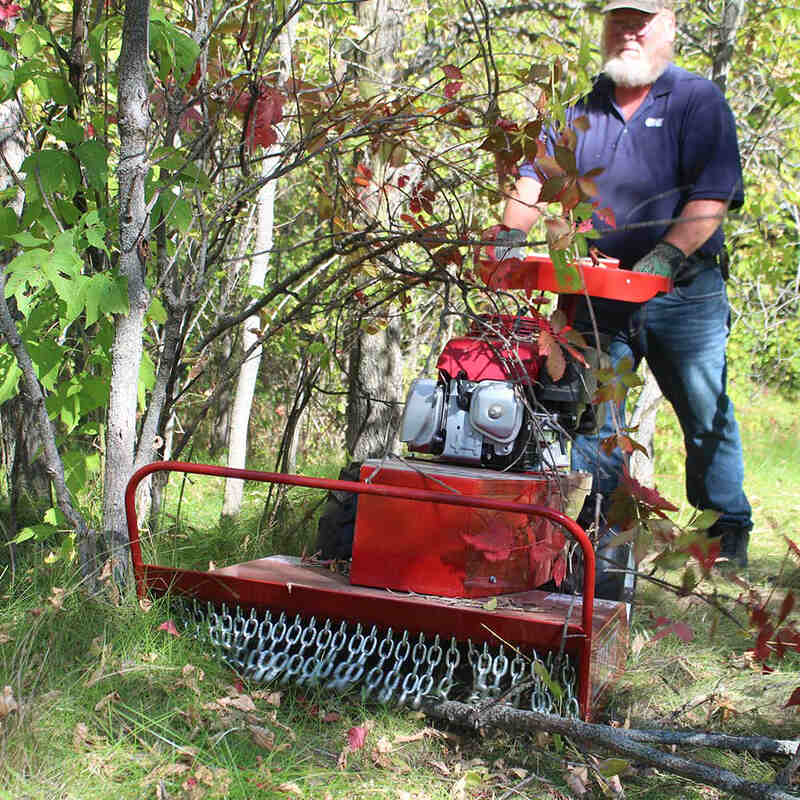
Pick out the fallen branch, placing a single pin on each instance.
(617, 740)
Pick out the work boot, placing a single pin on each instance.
(734, 542)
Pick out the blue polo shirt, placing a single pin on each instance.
(680, 145)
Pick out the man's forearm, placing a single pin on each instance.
(695, 225)
(520, 211)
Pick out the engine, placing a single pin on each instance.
(494, 404)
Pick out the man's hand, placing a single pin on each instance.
(664, 260)
(508, 244)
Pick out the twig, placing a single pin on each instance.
(524, 782)
(615, 739)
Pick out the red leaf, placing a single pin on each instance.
(411, 221)
(169, 627)
(331, 716)
(195, 79)
(9, 11)
(451, 72)
(559, 569)
(646, 495)
(763, 649)
(452, 89)
(786, 607)
(794, 700)
(680, 629)
(607, 216)
(792, 546)
(495, 542)
(356, 737)
(706, 551)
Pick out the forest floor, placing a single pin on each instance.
(107, 700)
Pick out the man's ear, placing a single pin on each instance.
(670, 26)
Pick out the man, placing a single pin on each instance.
(666, 141)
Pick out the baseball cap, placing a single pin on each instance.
(648, 6)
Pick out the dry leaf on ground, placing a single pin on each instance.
(165, 771)
(291, 788)
(56, 598)
(423, 734)
(263, 737)
(7, 702)
(577, 778)
(111, 697)
(241, 702)
(270, 698)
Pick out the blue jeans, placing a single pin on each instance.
(682, 335)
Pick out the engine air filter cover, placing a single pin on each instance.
(496, 411)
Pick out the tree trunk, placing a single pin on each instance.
(126, 355)
(375, 389)
(248, 374)
(374, 393)
(731, 19)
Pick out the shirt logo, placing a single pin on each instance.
(654, 122)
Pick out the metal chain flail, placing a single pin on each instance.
(385, 665)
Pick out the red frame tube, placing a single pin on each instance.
(421, 495)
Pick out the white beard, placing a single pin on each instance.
(630, 74)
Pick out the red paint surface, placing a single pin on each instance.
(453, 551)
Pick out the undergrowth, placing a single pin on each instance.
(111, 704)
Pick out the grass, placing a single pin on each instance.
(110, 706)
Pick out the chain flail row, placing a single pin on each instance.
(387, 666)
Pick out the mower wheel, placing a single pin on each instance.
(337, 522)
(615, 576)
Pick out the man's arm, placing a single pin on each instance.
(693, 228)
(520, 211)
(695, 225)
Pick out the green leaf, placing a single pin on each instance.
(11, 374)
(8, 222)
(28, 44)
(55, 516)
(52, 167)
(541, 670)
(612, 766)
(24, 535)
(94, 158)
(6, 83)
(147, 378)
(58, 90)
(68, 131)
(705, 519)
(104, 294)
(39, 532)
(157, 312)
(27, 240)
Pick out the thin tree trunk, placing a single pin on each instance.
(22, 444)
(248, 374)
(644, 419)
(731, 19)
(126, 355)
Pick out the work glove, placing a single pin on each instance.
(664, 259)
(508, 244)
